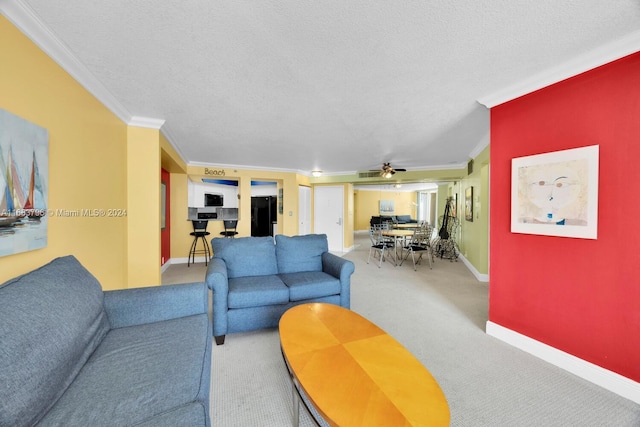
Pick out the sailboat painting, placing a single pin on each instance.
(24, 171)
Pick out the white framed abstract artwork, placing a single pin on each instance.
(556, 193)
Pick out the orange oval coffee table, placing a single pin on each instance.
(354, 373)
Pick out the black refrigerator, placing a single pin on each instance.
(263, 215)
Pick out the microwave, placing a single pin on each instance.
(213, 200)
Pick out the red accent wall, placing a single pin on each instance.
(165, 235)
(580, 296)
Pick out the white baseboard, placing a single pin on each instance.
(349, 249)
(609, 380)
(164, 266)
(184, 260)
(481, 277)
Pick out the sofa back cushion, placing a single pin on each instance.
(246, 256)
(300, 253)
(51, 321)
(403, 219)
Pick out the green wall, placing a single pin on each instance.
(473, 241)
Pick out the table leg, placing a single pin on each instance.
(395, 251)
(400, 242)
(296, 403)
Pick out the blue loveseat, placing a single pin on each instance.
(73, 355)
(254, 281)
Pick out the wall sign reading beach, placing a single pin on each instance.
(556, 194)
(24, 170)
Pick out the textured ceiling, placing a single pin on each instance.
(340, 86)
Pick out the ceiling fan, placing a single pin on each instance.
(387, 171)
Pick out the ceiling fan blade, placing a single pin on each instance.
(399, 170)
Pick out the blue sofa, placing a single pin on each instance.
(254, 281)
(397, 219)
(73, 355)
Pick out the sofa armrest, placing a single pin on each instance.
(130, 307)
(342, 269)
(216, 276)
(217, 280)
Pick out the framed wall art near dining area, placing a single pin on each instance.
(387, 207)
(468, 204)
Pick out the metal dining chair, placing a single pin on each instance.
(378, 244)
(420, 243)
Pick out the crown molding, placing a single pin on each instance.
(146, 122)
(597, 57)
(462, 165)
(453, 165)
(242, 167)
(405, 187)
(168, 134)
(479, 147)
(26, 20)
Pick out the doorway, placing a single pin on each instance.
(304, 210)
(328, 215)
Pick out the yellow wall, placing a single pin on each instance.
(170, 159)
(95, 162)
(349, 226)
(143, 213)
(180, 227)
(367, 204)
(87, 160)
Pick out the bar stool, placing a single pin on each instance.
(229, 229)
(199, 232)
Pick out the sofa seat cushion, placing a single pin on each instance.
(300, 253)
(139, 373)
(246, 256)
(255, 291)
(310, 284)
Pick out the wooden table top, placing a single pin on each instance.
(355, 374)
(397, 232)
(405, 226)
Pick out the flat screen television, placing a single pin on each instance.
(213, 199)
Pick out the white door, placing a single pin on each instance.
(304, 210)
(328, 215)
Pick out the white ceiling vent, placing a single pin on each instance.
(370, 174)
